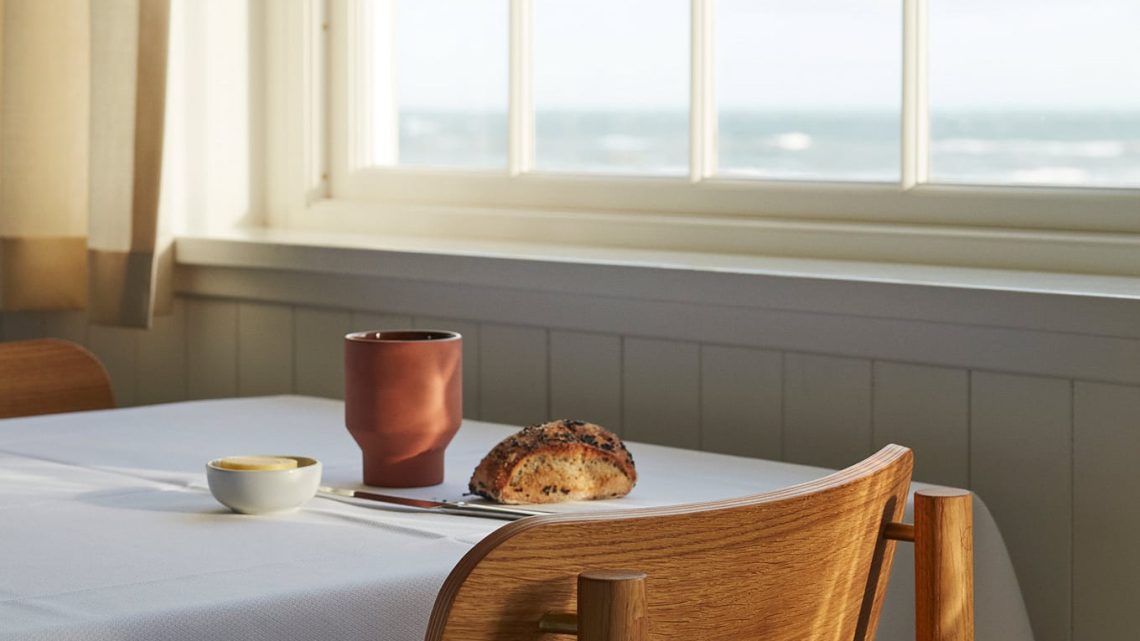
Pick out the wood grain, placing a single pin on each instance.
(944, 565)
(46, 376)
(612, 606)
(806, 562)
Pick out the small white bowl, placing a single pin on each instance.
(265, 491)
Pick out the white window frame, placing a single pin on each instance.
(317, 178)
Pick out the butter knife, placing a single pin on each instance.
(451, 507)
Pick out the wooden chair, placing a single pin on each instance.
(809, 562)
(50, 375)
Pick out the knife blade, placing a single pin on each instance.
(452, 507)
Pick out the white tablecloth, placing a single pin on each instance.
(107, 530)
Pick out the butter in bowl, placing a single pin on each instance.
(263, 484)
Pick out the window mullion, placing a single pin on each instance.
(521, 109)
(915, 105)
(371, 30)
(702, 87)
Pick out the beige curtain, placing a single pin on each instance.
(82, 103)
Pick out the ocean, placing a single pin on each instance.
(1071, 148)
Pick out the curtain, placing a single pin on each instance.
(82, 106)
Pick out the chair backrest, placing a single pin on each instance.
(50, 375)
(809, 562)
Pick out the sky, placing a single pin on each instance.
(773, 54)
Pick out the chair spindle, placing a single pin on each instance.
(944, 565)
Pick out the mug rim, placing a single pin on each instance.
(404, 336)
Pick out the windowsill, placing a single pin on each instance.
(357, 254)
(1086, 304)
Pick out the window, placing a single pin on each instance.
(1039, 92)
(1024, 92)
(790, 108)
(602, 106)
(440, 83)
(728, 125)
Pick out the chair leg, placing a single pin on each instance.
(612, 606)
(944, 565)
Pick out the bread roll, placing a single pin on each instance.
(553, 462)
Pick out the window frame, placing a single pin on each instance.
(317, 178)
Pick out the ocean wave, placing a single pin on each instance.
(622, 143)
(1050, 176)
(786, 173)
(790, 141)
(419, 127)
(1029, 147)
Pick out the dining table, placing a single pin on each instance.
(108, 530)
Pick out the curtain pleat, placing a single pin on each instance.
(82, 111)
(128, 106)
(44, 94)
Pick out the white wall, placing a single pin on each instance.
(213, 132)
(1040, 420)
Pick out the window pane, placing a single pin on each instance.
(451, 68)
(809, 89)
(611, 85)
(1035, 92)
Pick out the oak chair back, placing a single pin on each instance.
(809, 563)
(47, 376)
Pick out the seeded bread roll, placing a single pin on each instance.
(553, 462)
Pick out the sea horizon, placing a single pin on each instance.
(1019, 146)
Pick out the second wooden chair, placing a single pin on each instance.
(49, 375)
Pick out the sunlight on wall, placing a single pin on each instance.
(209, 162)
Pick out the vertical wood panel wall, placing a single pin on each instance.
(1054, 458)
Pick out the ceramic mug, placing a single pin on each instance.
(403, 402)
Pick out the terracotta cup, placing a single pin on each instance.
(403, 401)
